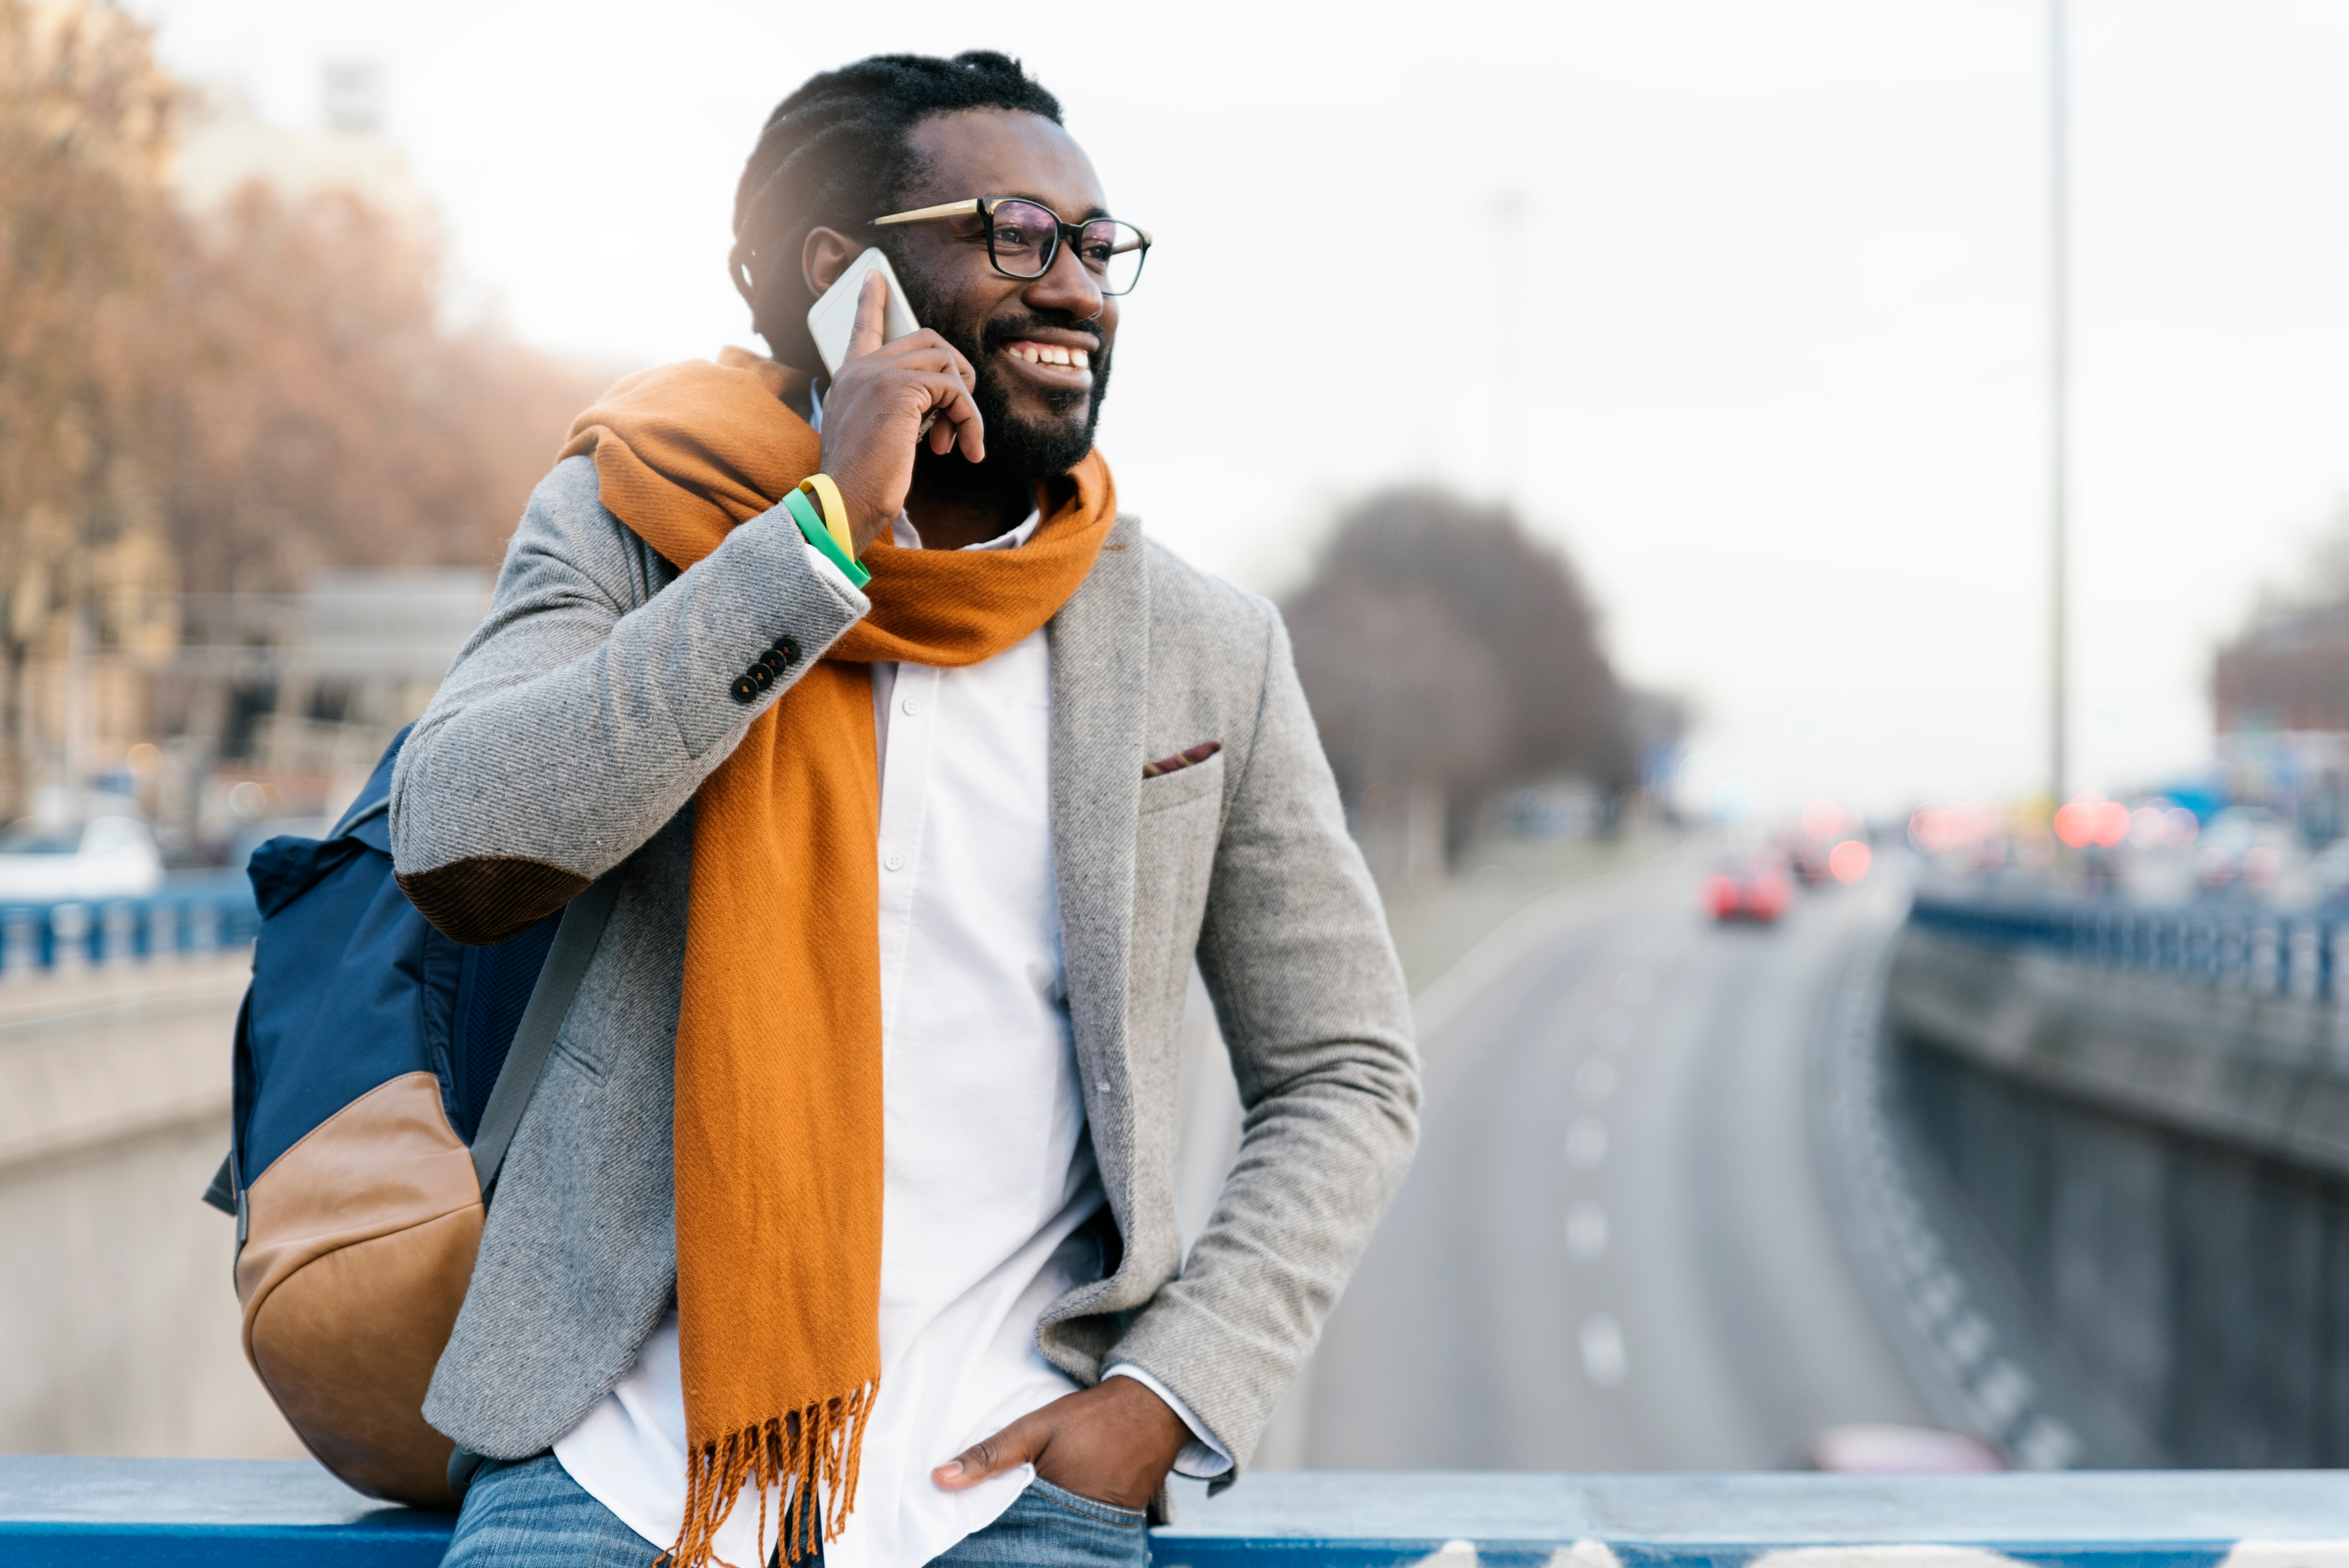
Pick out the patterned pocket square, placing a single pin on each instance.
(1182, 760)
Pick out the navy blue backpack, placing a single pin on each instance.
(380, 1072)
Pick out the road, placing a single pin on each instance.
(1612, 1254)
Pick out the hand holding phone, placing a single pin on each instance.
(885, 392)
(832, 320)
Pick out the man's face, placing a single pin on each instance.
(1040, 415)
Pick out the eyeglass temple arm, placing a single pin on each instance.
(950, 209)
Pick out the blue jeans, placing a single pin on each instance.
(531, 1514)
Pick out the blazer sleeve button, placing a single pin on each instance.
(761, 675)
(788, 649)
(746, 689)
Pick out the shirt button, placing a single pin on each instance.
(912, 706)
(894, 860)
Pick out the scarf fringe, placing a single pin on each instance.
(818, 1450)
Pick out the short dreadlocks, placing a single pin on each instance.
(834, 153)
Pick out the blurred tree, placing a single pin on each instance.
(218, 405)
(2287, 668)
(1441, 645)
(325, 418)
(83, 241)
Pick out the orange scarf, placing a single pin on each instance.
(778, 1126)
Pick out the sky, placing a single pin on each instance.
(1764, 348)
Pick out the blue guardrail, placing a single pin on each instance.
(2262, 951)
(166, 1513)
(194, 913)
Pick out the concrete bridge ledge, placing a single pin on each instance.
(166, 1513)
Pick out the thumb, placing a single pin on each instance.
(1017, 1444)
(872, 306)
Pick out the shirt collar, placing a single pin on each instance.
(902, 535)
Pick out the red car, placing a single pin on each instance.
(1751, 887)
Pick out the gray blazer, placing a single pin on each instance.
(568, 740)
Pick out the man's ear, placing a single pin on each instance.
(825, 256)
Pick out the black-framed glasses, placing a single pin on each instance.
(1023, 238)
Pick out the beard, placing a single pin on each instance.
(1020, 451)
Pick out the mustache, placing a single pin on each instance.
(995, 334)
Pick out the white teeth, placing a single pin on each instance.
(1048, 354)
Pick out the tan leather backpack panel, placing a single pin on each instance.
(359, 1244)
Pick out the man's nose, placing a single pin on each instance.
(1067, 286)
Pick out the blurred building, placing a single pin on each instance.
(279, 704)
(2280, 693)
(222, 145)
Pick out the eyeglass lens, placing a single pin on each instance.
(1025, 236)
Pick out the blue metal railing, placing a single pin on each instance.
(166, 1513)
(2266, 952)
(201, 915)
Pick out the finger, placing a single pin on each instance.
(938, 353)
(969, 426)
(963, 368)
(1017, 1444)
(911, 353)
(872, 306)
(958, 416)
(926, 350)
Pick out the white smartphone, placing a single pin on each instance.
(832, 318)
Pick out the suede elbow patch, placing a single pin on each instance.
(488, 898)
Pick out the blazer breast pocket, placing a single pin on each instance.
(1183, 785)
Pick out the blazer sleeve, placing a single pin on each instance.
(1316, 1016)
(592, 702)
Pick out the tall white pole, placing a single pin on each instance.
(2058, 408)
(1508, 211)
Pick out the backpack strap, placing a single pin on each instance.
(550, 999)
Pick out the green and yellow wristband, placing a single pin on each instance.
(829, 535)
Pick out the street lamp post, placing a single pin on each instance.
(2058, 409)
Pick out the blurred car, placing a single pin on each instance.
(1748, 887)
(2248, 849)
(2330, 872)
(111, 856)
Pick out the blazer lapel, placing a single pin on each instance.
(1101, 679)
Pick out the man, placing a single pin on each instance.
(843, 1211)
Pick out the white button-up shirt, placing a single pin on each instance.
(989, 1172)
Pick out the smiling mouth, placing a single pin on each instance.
(1030, 352)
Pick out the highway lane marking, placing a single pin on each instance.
(1606, 1361)
(1441, 999)
(1586, 1142)
(1585, 1231)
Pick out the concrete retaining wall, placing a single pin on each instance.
(115, 1291)
(2163, 1167)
